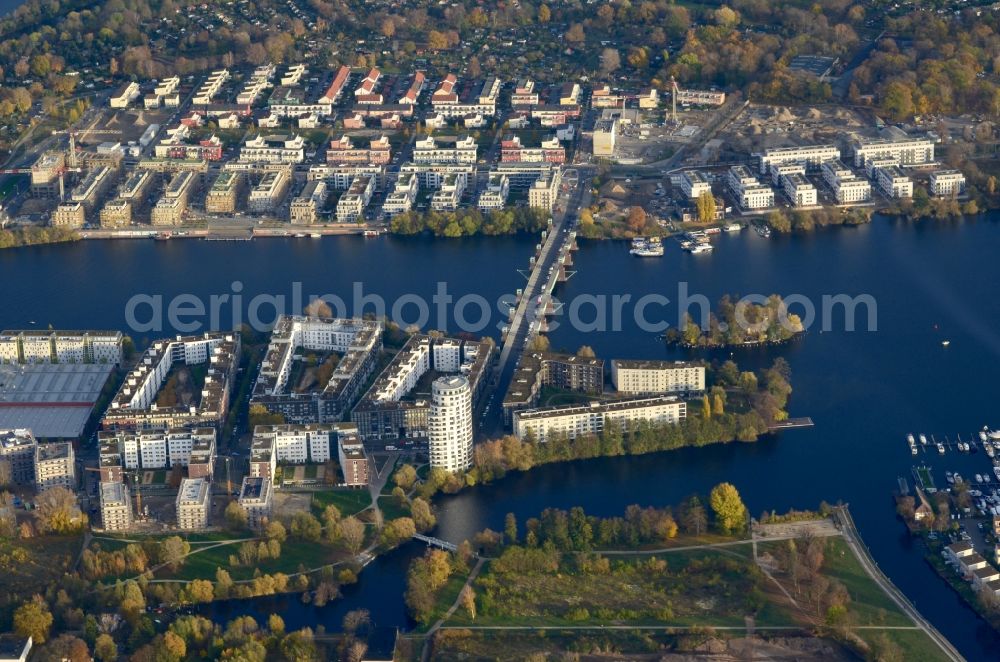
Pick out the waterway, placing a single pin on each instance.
(864, 390)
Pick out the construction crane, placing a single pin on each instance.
(73, 133)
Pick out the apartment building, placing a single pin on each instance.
(55, 466)
(124, 95)
(204, 95)
(569, 94)
(273, 149)
(305, 207)
(170, 208)
(256, 499)
(339, 177)
(852, 190)
(657, 377)
(413, 91)
(494, 196)
(269, 193)
(537, 369)
(748, 190)
(811, 156)
(601, 96)
(605, 135)
(544, 192)
(297, 444)
(69, 215)
(907, 152)
(550, 150)
(893, 182)
(780, 170)
(449, 195)
(403, 195)
(291, 102)
(47, 175)
(353, 203)
(947, 182)
(834, 171)
(798, 190)
(449, 424)
(116, 213)
(90, 191)
(352, 458)
(462, 150)
(224, 192)
(17, 447)
(433, 175)
(524, 94)
(700, 97)
(194, 503)
(134, 405)
(594, 418)
(201, 458)
(336, 88)
(255, 85)
(359, 342)
(61, 347)
(446, 101)
(694, 184)
(116, 506)
(162, 448)
(343, 150)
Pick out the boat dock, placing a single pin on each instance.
(962, 443)
(792, 423)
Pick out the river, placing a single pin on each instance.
(864, 390)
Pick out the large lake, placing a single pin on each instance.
(865, 390)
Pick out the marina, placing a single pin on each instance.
(647, 247)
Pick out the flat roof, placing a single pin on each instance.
(651, 364)
(52, 400)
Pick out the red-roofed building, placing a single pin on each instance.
(337, 86)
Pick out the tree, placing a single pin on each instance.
(276, 624)
(706, 207)
(539, 343)
(57, 511)
(718, 407)
(575, 34)
(726, 17)
(356, 619)
(467, 598)
(351, 533)
(730, 513)
(275, 531)
(884, 649)
(544, 14)
(422, 515)
(65, 648)
(636, 219)
(306, 527)
(693, 517)
(611, 60)
(235, 516)
(105, 648)
(33, 619)
(510, 529)
(173, 550)
(405, 477)
(706, 408)
(318, 308)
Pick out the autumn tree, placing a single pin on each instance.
(706, 207)
(575, 34)
(611, 60)
(105, 648)
(33, 619)
(544, 14)
(351, 534)
(727, 506)
(636, 219)
(467, 598)
(57, 512)
(235, 516)
(405, 477)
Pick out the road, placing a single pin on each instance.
(853, 540)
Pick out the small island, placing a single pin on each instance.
(739, 323)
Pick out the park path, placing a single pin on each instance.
(425, 654)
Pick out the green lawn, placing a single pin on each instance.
(391, 509)
(915, 644)
(294, 553)
(349, 502)
(869, 603)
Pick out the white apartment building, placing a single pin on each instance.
(293, 74)
(55, 466)
(694, 184)
(403, 195)
(894, 183)
(449, 196)
(427, 150)
(353, 203)
(908, 152)
(656, 377)
(273, 149)
(256, 500)
(61, 347)
(851, 190)
(544, 192)
(432, 175)
(494, 197)
(116, 507)
(449, 424)
(872, 165)
(834, 171)
(269, 193)
(306, 205)
(748, 189)
(605, 136)
(194, 502)
(591, 419)
(339, 177)
(204, 95)
(947, 182)
(779, 170)
(297, 444)
(799, 191)
(812, 156)
(125, 95)
(161, 449)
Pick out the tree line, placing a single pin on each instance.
(739, 323)
(468, 221)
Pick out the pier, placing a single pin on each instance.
(791, 424)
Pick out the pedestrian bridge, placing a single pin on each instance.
(436, 542)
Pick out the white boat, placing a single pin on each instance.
(940, 448)
(763, 230)
(958, 477)
(945, 343)
(913, 450)
(909, 439)
(986, 478)
(300, 235)
(733, 227)
(994, 434)
(949, 477)
(701, 248)
(983, 436)
(996, 472)
(315, 235)
(989, 450)
(923, 440)
(979, 478)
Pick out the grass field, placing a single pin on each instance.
(915, 645)
(349, 502)
(391, 509)
(869, 603)
(294, 554)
